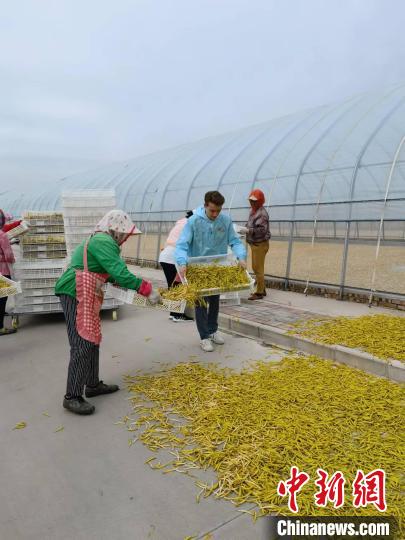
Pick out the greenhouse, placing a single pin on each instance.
(334, 179)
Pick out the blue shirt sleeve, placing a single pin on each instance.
(234, 241)
(183, 245)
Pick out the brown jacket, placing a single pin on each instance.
(258, 225)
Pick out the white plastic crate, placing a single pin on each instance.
(12, 288)
(38, 273)
(24, 300)
(20, 230)
(88, 198)
(32, 248)
(91, 193)
(131, 297)
(71, 230)
(43, 239)
(86, 221)
(76, 238)
(81, 211)
(38, 283)
(48, 268)
(45, 255)
(28, 265)
(111, 303)
(43, 218)
(47, 229)
(32, 292)
(220, 260)
(40, 308)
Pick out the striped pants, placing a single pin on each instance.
(84, 355)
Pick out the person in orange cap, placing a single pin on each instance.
(257, 236)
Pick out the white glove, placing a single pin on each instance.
(154, 297)
(243, 230)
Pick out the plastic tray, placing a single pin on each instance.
(87, 221)
(12, 290)
(79, 229)
(43, 218)
(45, 255)
(131, 297)
(21, 229)
(52, 228)
(39, 269)
(32, 248)
(85, 211)
(36, 300)
(32, 292)
(43, 239)
(221, 260)
(40, 308)
(88, 193)
(111, 303)
(39, 283)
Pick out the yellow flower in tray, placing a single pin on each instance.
(189, 293)
(213, 276)
(4, 284)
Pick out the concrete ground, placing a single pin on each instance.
(85, 482)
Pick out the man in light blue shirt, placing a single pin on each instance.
(208, 232)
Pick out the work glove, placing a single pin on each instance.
(154, 297)
(242, 264)
(243, 230)
(146, 288)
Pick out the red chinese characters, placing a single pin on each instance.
(370, 489)
(292, 486)
(332, 490)
(367, 489)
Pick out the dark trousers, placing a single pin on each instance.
(3, 302)
(170, 273)
(207, 317)
(84, 355)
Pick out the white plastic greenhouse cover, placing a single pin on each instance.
(335, 157)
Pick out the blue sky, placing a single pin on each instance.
(87, 83)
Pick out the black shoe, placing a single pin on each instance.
(78, 405)
(181, 318)
(101, 388)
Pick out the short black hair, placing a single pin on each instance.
(214, 197)
(189, 213)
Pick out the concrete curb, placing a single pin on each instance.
(393, 370)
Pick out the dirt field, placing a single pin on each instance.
(322, 263)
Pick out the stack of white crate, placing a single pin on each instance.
(38, 279)
(45, 238)
(40, 261)
(82, 210)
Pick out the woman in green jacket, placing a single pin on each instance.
(79, 290)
